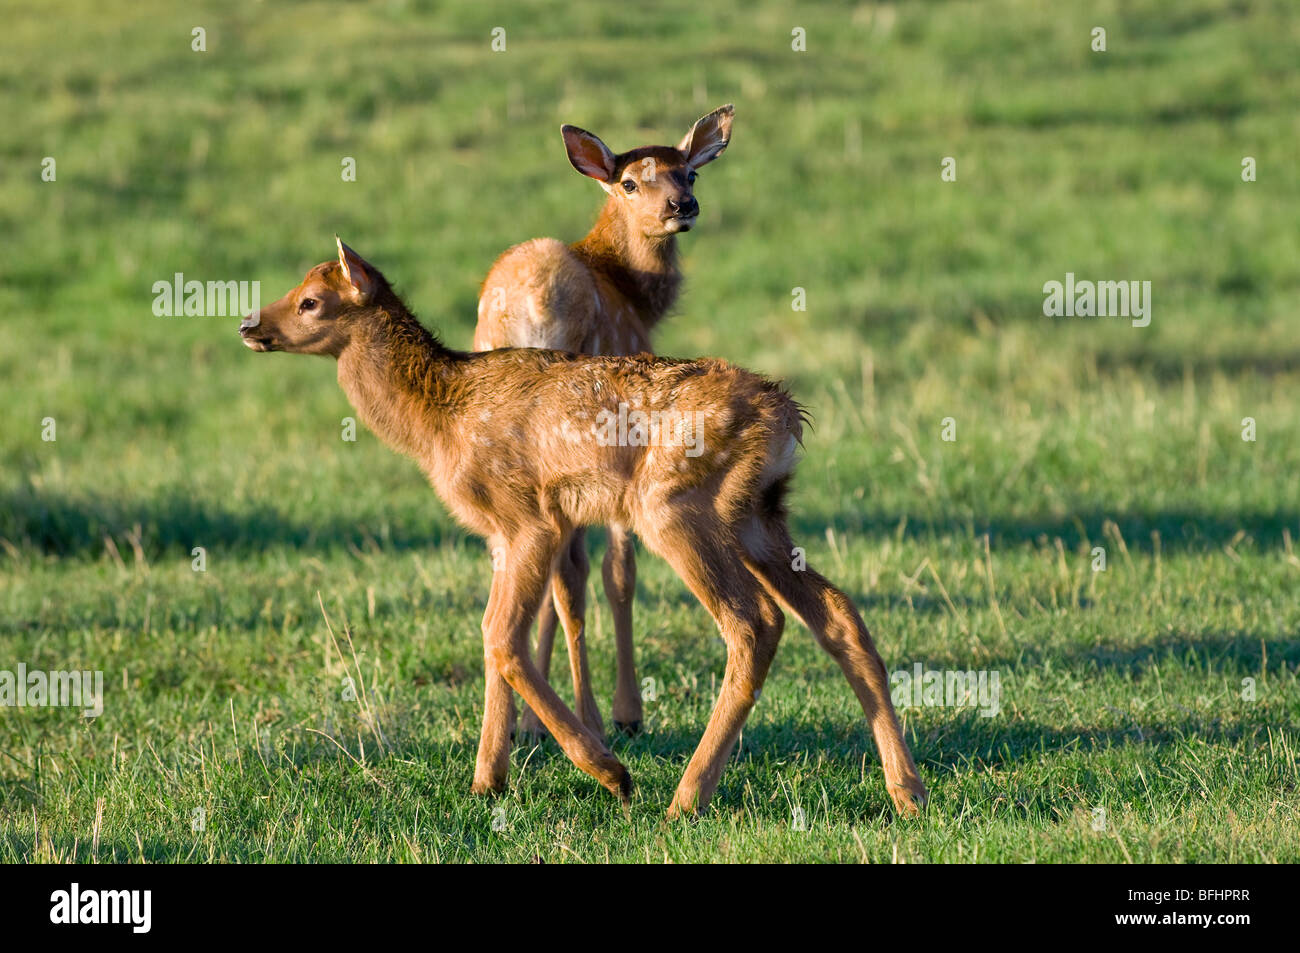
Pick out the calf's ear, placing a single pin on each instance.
(359, 275)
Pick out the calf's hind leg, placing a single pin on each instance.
(750, 623)
(839, 630)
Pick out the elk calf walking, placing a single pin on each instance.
(520, 445)
(602, 295)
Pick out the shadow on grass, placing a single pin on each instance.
(1170, 368)
(61, 526)
(1003, 741)
(957, 747)
(1180, 530)
(67, 526)
(1237, 653)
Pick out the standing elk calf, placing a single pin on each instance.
(602, 295)
(525, 446)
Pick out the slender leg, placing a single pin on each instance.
(492, 766)
(619, 573)
(547, 619)
(569, 597)
(522, 582)
(750, 623)
(839, 630)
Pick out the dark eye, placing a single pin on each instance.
(691, 177)
(307, 304)
(629, 185)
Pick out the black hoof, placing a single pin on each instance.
(629, 728)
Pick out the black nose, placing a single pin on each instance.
(684, 206)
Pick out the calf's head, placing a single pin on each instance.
(653, 186)
(321, 315)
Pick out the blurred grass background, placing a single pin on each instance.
(1121, 689)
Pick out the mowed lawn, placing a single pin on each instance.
(1149, 711)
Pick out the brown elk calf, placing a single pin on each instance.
(602, 295)
(525, 446)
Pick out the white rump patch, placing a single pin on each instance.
(539, 322)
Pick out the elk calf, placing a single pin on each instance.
(520, 445)
(602, 295)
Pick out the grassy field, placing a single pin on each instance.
(1148, 712)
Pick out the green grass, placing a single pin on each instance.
(1121, 689)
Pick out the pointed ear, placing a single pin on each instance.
(708, 138)
(356, 272)
(588, 154)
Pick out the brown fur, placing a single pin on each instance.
(506, 438)
(602, 295)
